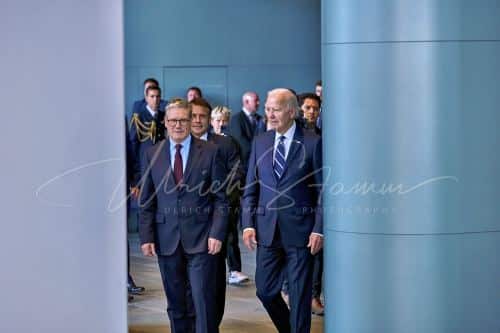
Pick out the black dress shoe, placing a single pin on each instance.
(135, 290)
(130, 297)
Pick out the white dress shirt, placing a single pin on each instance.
(151, 111)
(287, 142)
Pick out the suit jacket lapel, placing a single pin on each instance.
(268, 160)
(164, 163)
(296, 147)
(195, 152)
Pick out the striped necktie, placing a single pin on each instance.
(279, 158)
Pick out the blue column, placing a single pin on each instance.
(412, 149)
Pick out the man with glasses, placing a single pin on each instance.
(183, 219)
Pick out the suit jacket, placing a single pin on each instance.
(294, 200)
(137, 145)
(312, 128)
(241, 130)
(230, 152)
(189, 213)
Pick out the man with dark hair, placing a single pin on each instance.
(183, 219)
(310, 105)
(146, 129)
(318, 90)
(234, 175)
(140, 104)
(192, 93)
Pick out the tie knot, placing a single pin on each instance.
(282, 138)
(178, 147)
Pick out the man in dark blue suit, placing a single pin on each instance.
(140, 104)
(234, 174)
(281, 213)
(146, 129)
(183, 219)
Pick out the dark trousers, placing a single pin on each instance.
(317, 275)
(233, 247)
(273, 264)
(130, 281)
(189, 286)
(317, 279)
(232, 253)
(220, 285)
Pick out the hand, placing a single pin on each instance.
(148, 249)
(249, 239)
(134, 191)
(315, 243)
(214, 246)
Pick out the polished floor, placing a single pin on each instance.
(244, 313)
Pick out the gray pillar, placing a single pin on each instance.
(62, 247)
(412, 109)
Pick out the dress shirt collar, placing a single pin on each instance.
(153, 113)
(186, 144)
(247, 113)
(204, 137)
(288, 134)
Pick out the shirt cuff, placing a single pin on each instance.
(248, 229)
(315, 233)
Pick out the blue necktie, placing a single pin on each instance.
(279, 158)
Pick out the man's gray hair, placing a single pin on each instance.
(178, 103)
(286, 98)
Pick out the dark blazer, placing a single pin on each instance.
(231, 154)
(188, 213)
(292, 201)
(137, 145)
(310, 127)
(241, 130)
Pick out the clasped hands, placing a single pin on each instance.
(250, 241)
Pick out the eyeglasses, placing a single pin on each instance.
(182, 122)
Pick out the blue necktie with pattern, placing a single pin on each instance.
(279, 158)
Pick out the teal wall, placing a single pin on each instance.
(242, 45)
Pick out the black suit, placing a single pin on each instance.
(241, 130)
(179, 220)
(230, 153)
